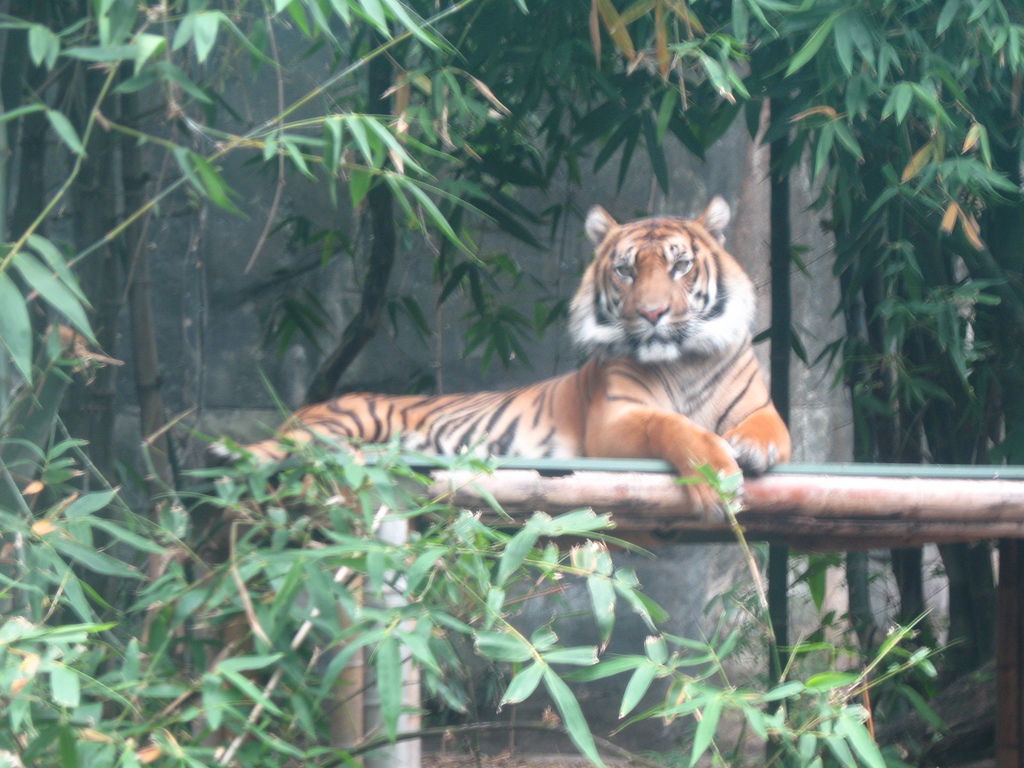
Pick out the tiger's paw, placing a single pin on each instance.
(757, 452)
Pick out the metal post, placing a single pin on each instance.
(1010, 656)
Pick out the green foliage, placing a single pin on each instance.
(105, 664)
(131, 642)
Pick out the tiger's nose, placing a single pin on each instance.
(653, 315)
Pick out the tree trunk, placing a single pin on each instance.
(971, 606)
(89, 408)
(152, 417)
(380, 203)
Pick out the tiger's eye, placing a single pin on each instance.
(680, 268)
(625, 271)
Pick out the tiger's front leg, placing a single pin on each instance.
(654, 434)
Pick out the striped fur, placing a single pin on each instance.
(664, 314)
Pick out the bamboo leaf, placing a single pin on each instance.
(661, 42)
(246, 686)
(971, 139)
(523, 684)
(91, 559)
(784, 691)
(946, 16)
(706, 728)
(211, 183)
(616, 29)
(856, 734)
(572, 716)
(354, 123)
(829, 681)
(53, 257)
(63, 128)
(91, 502)
(170, 72)
(602, 603)
(435, 216)
(419, 646)
(359, 182)
(502, 646)
(608, 668)
(215, 700)
(971, 230)
(811, 46)
(101, 52)
(917, 162)
(639, 683)
(388, 664)
(54, 292)
(147, 46)
(579, 656)
(923, 708)
(949, 217)
(15, 326)
(395, 147)
(843, 39)
(43, 46)
(140, 543)
(374, 13)
(415, 26)
(516, 551)
(656, 648)
(204, 32)
(65, 686)
(293, 151)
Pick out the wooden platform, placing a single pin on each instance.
(837, 507)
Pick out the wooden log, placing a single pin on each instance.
(810, 511)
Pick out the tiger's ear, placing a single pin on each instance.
(599, 223)
(716, 217)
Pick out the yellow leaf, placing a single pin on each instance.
(917, 162)
(949, 217)
(30, 664)
(971, 139)
(595, 32)
(971, 230)
(616, 29)
(43, 527)
(33, 488)
(148, 754)
(823, 109)
(661, 42)
(689, 17)
(488, 94)
(90, 734)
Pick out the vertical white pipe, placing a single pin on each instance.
(403, 754)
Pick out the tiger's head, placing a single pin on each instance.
(661, 289)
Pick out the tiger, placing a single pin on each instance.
(663, 316)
